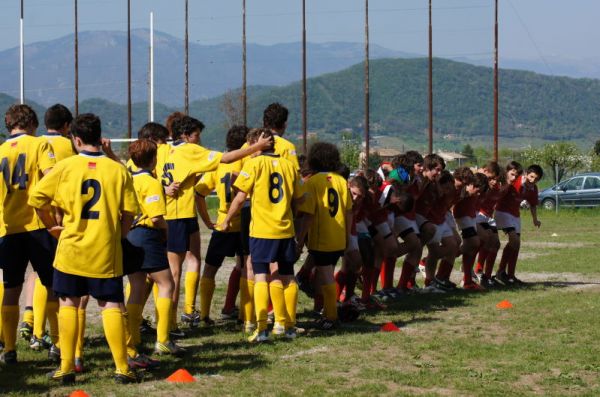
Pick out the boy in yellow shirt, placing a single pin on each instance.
(274, 185)
(97, 198)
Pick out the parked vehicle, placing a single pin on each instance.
(582, 190)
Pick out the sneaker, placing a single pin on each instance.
(446, 285)
(432, 288)
(38, 344)
(324, 324)
(191, 319)
(391, 293)
(26, 331)
(206, 322)
(60, 376)
(9, 357)
(380, 297)
(169, 348)
(422, 269)
(141, 361)
(128, 377)
(146, 327)
(502, 277)
(374, 303)
(249, 327)
(357, 303)
(278, 329)
(177, 333)
(78, 365)
(259, 337)
(473, 286)
(487, 283)
(230, 315)
(291, 333)
(514, 281)
(54, 354)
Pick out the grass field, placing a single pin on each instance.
(455, 344)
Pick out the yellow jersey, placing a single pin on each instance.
(93, 192)
(327, 199)
(283, 148)
(273, 183)
(184, 164)
(23, 159)
(150, 197)
(162, 152)
(222, 180)
(61, 145)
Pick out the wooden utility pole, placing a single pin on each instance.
(367, 101)
(186, 100)
(129, 126)
(244, 87)
(22, 55)
(430, 91)
(304, 97)
(496, 84)
(76, 60)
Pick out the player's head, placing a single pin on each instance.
(373, 179)
(324, 157)
(143, 154)
(21, 118)
(256, 133)
(170, 119)
(275, 118)
(359, 188)
(187, 128)
(416, 158)
(534, 173)
(344, 171)
(86, 129)
(58, 118)
(493, 172)
(433, 165)
(463, 176)
(445, 182)
(155, 132)
(403, 169)
(236, 137)
(513, 170)
(478, 185)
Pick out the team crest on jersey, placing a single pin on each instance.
(91, 166)
(211, 156)
(244, 173)
(152, 199)
(51, 155)
(275, 162)
(14, 144)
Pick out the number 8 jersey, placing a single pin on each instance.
(274, 183)
(23, 159)
(92, 191)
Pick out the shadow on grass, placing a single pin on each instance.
(28, 376)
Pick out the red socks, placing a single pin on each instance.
(489, 263)
(483, 254)
(468, 261)
(233, 287)
(340, 282)
(387, 272)
(406, 275)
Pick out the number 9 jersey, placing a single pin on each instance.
(92, 191)
(328, 201)
(273, 183)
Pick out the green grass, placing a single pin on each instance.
(455, 344)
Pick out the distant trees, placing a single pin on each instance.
(558, 158)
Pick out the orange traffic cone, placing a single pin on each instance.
(504, 305)
(181, 376)
(79, 393)
(389, 327)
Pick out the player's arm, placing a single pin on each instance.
(533, 210)
(203, 211)
(305, 225)
(235, 155)
(159, 222)
(107, 149)
(41, 198)
(126, 222)
(349, 219)
(234, 208)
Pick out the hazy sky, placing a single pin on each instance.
(531, 29)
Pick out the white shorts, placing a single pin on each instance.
(441, 231)
(352, 243)
(450, 220)
(390, 220)
(466, 222)
(383, 229)
(402, 224)
(362, 227)
(507, 221)
(483, 218)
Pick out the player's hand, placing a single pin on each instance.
(224, 226)
(265, 143)
(210, 225)
(107, 148)
(172, 189)
(55, 231)
(537, 223)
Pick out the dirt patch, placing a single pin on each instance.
(554, 244)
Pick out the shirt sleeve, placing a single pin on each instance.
(44, 193)
(46, 158)
(206, 184)
(153, 201)
(203, 160)
(129, 202)
(309, 204)
(246, 178)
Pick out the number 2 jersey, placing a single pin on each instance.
(222, 180)
(92, 191)
(327, 199)
(23, 159)
(273, 183)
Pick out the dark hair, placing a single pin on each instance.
(403, 161)
(406, 200)
(323, 157)
(301, 160)
(20, 117)
(255, 133)
(514, 165)
(142, 152)
(494, 168)
(445, 177)
(433, 160)
(185, 125)
(536, 169)
(463, 174)
(414, 156)
(236, 137)
(344, 171)
(480, 181)
(373, 178)
(170, 119)
(57, 116)
(275, 116)
(359, 181)
(88, 128)
(153, 131)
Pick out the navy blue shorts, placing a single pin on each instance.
(133, 257)
(103, 289)
(179, 232)
(221, 245)
(245, 218)
(150, 244)
(266, 251)
(17, 250)
(323, 258)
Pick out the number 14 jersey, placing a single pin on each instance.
(92, 191)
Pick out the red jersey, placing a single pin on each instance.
(487, 201)
(515, 193)
(467, 206)
(441, 206)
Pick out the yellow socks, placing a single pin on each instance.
(191, 288)
(28, 316)
(163, 307)
(10, 321)
(155, 296)
(40, 298)
(261, 303)
(80, 332)
(134, 312)
(207, 290)
(131, 349)
(67, 323)
(330, 301)
(114, 331)
(278, 301)
(247, 300)
(127, 291)
(291, 302)
(52, 315)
